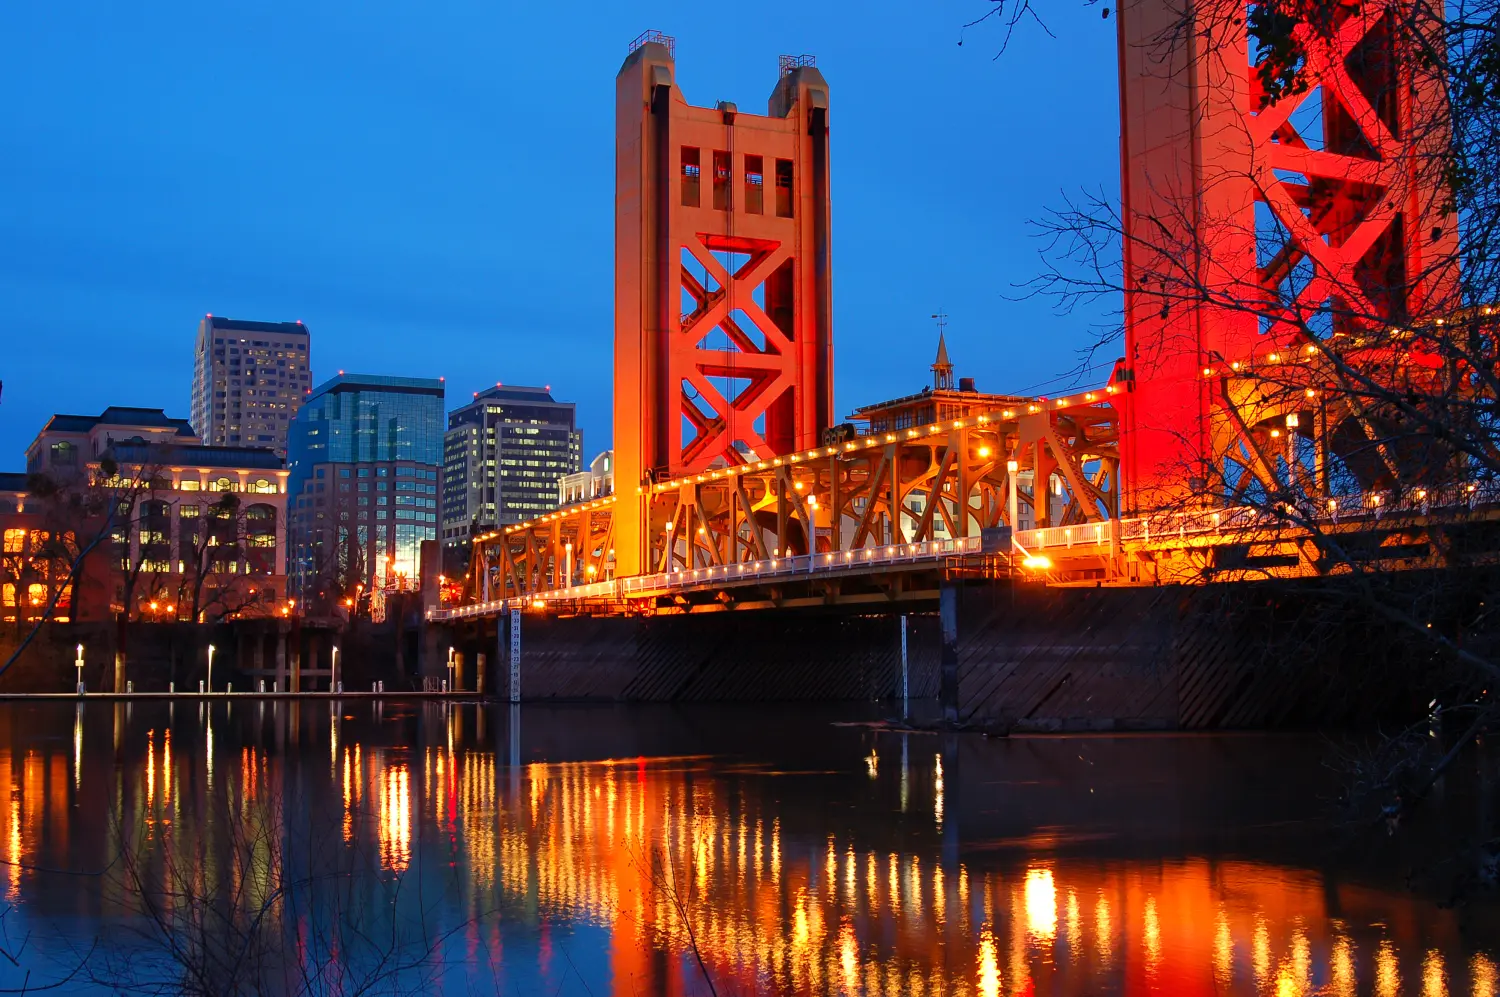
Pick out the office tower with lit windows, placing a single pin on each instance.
(248, 380)
(503, 456)
(365, 455)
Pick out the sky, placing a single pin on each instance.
(429, 186)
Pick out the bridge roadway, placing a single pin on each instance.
(1242, 543)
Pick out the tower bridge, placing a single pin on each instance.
(1221, 447)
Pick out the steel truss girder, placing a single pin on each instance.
(947, 480)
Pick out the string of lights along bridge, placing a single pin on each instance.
(736, 487)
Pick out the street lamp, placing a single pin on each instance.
(333, 671)
(210, 668)
(79, 663)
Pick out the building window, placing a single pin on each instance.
(690, 176)
(722, 176)
(64, 454)
(755, 185)
(784, 188)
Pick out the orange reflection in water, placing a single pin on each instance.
(667, 857)
(395, 818)
(657, 860)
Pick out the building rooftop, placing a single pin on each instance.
(970, 399)
(242, 325)
(179, 455)
(118, 415)
(516, 393)
(379, 382)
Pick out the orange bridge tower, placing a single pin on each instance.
(723, 301)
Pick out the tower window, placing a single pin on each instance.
(690, 176)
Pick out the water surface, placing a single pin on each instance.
(275, 847)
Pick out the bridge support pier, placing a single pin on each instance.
(433, 662)
(948, 661)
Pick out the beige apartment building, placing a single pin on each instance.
(176, 548)
(249, 379)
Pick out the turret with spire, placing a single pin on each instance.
(942, 368)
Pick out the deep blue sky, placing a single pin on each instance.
(429, 186)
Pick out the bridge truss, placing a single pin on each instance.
(884, 502)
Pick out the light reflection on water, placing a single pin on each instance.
(566, 869)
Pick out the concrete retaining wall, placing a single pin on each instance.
(1240, 656)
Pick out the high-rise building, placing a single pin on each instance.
(365, 456)
(248, 380)
(503, 456)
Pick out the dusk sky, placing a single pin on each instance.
(429, 186)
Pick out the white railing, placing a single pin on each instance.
(787, 568)
(1177, 525)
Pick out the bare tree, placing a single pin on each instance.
(82, 516)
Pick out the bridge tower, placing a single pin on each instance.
(1252, 229)
(723, 304)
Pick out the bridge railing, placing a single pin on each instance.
(1084, 539)
(1372, 505)
(786, 568)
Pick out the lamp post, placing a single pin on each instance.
(210, 668)
(333, 671)
(1012, 498)
(451, 662)
(79, 663)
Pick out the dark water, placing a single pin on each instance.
(398, 848)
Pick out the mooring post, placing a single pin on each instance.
(905, 675)
(948, 687)
(513, 733)
(515, 655)
(502, 651)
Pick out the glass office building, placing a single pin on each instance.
(365, 454)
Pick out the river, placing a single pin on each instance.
(398, 847)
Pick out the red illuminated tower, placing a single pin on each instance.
(1245, 224)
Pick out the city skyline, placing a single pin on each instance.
(375, 242)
